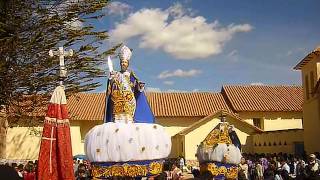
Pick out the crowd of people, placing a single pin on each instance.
(18, 171)
(252, 167)
(279, 167)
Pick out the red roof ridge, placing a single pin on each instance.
(307, 58)
(214, 114)
(272, 98)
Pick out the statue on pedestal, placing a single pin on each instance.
(220, 152)
(129, 143)
(126, 100)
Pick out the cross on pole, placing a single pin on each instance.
(61, 53)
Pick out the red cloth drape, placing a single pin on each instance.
(55, 157)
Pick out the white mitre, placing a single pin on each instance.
(125, 53)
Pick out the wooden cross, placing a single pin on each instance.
(61, 53)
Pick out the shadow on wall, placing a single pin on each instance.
(23, 143)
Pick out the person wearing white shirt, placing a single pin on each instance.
(285, 166)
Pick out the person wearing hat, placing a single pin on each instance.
(313, 168)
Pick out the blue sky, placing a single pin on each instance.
(201, 45)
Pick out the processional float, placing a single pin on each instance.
(219, 153)
(128, 143)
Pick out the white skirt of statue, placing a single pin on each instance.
(129, 143)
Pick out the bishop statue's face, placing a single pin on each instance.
(124, 65)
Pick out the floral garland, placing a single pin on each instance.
(230, 173)
(127, 170)
(218, 136)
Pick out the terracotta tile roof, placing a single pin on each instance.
(186, 104)
(86, 106)
(308, 58)
(90, 106)
(264, 98)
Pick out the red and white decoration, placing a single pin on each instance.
(55, 156)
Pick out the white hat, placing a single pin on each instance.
(125, 53)
(312, 156)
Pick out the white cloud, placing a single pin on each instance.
(152, 89)
(295, 51)
(177, 11)
(233, 56)
(176, 32)
(179, 73)
(176, 90)
(118, 8)
(289, 53)
(256, 84)
(168, 82)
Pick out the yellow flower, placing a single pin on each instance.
(155, 168)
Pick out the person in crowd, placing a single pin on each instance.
(166, 175)
(259, 170)
(277, 175)
(243, 168)
(277, 163)
(20, 170)
(264, 162)
(14, 165)
(196, 173)
(313, 168)
(8, 173)
(75, 166)
(181, 163)
(293, 166)
(269, 175)
(176, 172)
(270, 172)
(29, 173)
(82, 172)
(284, 165)
(284, 175)
(300, 169)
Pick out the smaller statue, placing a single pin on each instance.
(219, 153)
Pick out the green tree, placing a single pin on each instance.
(28, 30)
